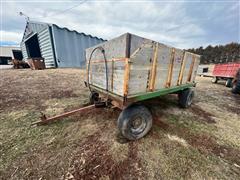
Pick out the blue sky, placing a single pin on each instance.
(183, 24)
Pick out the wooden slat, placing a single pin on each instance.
(170, 69)
(191, 68)
(126, 77)
(154, 69)
(128, 45)
(110, 60)
(182, 69)
(140, 68)
(112, 75)
(89, 76)
(195, 67)
(116, 70)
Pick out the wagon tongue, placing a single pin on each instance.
(45, 120)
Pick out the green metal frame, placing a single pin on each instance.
(144, 96)
(161, 92)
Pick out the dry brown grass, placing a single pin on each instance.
(201, 142)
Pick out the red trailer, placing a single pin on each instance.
(226, 72)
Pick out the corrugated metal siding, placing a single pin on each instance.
(32, 28)
(24, 51)
(70, 46)
(45, 45)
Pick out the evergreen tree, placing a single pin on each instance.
(218, 54)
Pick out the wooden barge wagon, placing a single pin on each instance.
(129, 69)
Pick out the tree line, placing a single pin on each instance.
(218, 54)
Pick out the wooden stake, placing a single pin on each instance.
(170, 69)
(126, 77)
(180, 77)
(191, 68)
(154, 69)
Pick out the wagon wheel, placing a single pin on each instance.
(236, 87)
(186, 97)
(93, 97)
(135, 122)
(215, 80)
(229, 83)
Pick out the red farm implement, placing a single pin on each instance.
(225, 72)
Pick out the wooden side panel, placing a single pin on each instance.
(164, 55)
(115, 52)
(180, 77)
(140, 66)
(195, 68)
(115, 76)
(98, 75)
(176, 66)
(151, 67)
(137, 41)
(188, 61)
(115, 48)
(118, 77)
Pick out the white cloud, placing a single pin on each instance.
(10, 36)
(169, 23)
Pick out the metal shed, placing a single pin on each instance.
(60, 47)
(8, 53)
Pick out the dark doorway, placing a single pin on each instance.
(4, 60)
(17, 54)
(32, 46)
(205, 70)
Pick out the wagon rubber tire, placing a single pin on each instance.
(236, 87)
(185, 97)
(93, 97)
(127, 122)
(228, 83)
(214, 80)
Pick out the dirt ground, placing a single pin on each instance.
(202, 142)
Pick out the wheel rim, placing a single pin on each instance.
(138, 125)
(94, 97)
(190, 99)
(214, 80)
(234, 85)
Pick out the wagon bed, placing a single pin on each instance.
(139, 69)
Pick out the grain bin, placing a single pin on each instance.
(129, 69)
